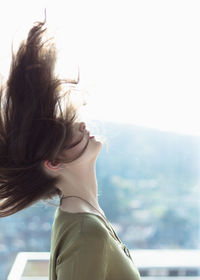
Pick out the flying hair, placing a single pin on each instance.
(33, 127)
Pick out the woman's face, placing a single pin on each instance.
(83, 148)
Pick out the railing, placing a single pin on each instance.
(152, 264)
(165, 264)
(30, 266)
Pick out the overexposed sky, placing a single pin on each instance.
(139, 60)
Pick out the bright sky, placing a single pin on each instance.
(139, 60)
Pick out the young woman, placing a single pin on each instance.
(44, 153)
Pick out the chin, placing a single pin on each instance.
(97, 145)
(97, 139)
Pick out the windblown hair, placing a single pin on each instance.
(32, 129)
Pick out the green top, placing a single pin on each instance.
(84, 247)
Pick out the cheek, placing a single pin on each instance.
(77, 151)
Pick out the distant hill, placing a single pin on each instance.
(149, 184)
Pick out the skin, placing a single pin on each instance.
(79, 174)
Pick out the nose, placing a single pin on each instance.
(82, 127)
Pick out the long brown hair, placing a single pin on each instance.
(32, 129)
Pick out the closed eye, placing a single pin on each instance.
(72, 146)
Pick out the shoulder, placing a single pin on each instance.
(89, 243)
(79, 224)
(92, 225)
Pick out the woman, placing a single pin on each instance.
(44, 154)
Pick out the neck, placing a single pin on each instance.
(81, 181)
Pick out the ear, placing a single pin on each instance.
(51, 166)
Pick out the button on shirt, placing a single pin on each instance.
(84, 248)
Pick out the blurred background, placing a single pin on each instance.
(139, 72)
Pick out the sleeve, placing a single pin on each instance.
(84, 258)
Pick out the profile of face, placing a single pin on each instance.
(83, 148)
